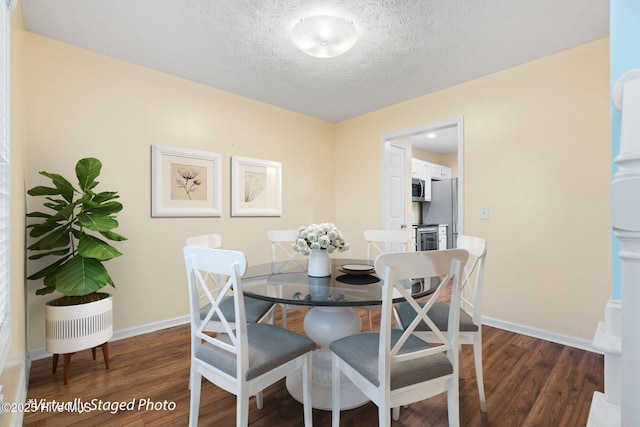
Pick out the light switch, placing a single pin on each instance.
(484, 213)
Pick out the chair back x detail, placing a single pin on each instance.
(256, 310)
(245, 358)
(281, 241)
(394, 367)
(470, 308)
(473, 276)
(384, 241)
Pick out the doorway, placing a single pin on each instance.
(441, 139)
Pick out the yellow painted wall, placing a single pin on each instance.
(537, 153)
(82, 104)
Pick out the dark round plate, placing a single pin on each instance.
(357, 279)
(356, 269)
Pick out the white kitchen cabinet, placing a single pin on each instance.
(420, 169)
(436, 171)
(439, 172)
(416, 169)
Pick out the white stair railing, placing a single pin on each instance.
(625, 197)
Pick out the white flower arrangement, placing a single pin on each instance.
(319, 236)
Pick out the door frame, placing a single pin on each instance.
(402, 137)
(384, 176)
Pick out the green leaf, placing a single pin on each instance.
(97, 222)
(50, 280)
(65, 189)
(48, 271)
(66, 212)
(38, 215)
(59, 237)
(43, 191)
(87, 170)
(59, 252)
(44, 291)
(103, 208)
(57, 201)
(41, 229)
(92, 247)
(82, 276)
(105, 196)
(113, 236)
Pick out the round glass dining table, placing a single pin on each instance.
(353, 283)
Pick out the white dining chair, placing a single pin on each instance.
(284, 257)
(394, 367)
(256, 310)
(246, 358)
(384, 241)
(470, 308)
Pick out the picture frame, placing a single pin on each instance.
(185, 183)
(256, 187)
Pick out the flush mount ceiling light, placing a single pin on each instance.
(324, 36)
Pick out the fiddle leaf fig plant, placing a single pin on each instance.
(72, 231)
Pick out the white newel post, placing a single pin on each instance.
(618, 337)
(625, 197)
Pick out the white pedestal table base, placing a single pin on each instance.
(324, 325)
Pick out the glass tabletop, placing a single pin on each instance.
(352, 283)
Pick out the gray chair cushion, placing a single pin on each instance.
(269, 346)
(361, 352)
(254, 309)
(439, 314)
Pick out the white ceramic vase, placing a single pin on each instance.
(319, 264)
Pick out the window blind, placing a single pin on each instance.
(5, 262)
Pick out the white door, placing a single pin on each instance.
(394, 186)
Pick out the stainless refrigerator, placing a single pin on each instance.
(443, 208)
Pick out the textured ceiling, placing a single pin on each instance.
(406, 48)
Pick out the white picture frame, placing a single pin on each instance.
(256, 187)
(185, 183)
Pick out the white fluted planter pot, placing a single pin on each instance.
(72, 328)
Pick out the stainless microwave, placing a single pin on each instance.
(417, 190)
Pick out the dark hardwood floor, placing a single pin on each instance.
(528, 382)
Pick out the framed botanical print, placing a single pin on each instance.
(185, 182)
(256, 187)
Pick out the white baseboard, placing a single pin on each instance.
(582, 344)
(41, 353)
(541, 334)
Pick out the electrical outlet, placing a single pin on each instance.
(484, 213)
